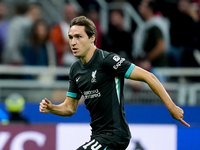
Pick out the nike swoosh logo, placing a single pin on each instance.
(77, 79)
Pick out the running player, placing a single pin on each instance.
(99, 76)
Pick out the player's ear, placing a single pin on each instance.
(93, 38)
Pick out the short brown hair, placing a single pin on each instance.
(90, 27)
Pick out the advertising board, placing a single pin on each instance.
(27, 137)
(144, 137)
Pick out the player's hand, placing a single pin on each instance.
(177, 113)
(45, 106)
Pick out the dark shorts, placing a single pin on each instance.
(105, 142)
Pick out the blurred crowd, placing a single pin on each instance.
(168, 37)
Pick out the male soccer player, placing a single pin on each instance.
(99, 76)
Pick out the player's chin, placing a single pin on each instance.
(76, 54)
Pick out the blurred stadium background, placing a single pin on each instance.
(151, 124)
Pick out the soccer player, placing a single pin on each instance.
(99, 76)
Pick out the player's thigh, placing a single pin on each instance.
(93, 144)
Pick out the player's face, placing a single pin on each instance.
(79, 41)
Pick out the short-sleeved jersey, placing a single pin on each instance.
(101, 82)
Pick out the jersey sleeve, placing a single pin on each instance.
(73, 89)
(117, 65)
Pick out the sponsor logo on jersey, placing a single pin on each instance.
(91, 94)
(94, 76)
(119, 63)
(116, 58)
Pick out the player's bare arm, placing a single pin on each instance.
(67, 108)
(140, 74)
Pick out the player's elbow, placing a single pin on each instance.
(152, 75)
(69, 113)
(149, 77)
(72, 113)
(153, 79)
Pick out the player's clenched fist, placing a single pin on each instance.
(45, 106)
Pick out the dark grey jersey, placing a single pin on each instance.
(101, 82)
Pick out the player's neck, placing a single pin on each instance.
(89, 55)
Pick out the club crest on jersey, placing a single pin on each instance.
(116, 58)
(94, 76)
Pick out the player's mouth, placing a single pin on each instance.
(74, 49)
